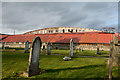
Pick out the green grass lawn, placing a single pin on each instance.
(83, 53)
(55, 66)
(66, 52)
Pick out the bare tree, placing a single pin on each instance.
(109, 29)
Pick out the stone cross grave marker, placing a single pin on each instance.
(33, 68)
(48, 48)
(26, 47)
(71, 48)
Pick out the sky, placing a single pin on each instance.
(27, 16)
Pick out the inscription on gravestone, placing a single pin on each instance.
(33, 68)
(26, 47)
(71, 48)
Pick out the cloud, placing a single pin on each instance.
(27, 16)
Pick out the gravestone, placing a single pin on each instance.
(114, 55)
(3, 45)
(97, 51)
(48, 48)
(43, 49)
(82, 50)
(76, 50)
(79, 50)
(26, 47)
(33, 68)
(110, 60)
(71, 48)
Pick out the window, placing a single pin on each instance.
(34, 32)
(56, 30)
(79, 30)
(76, 30)
(60, 36)
(45, 31)
(20, 42)
(68, 30)
(63, 30)
(49, 31)
(10, 42)
(14, 42)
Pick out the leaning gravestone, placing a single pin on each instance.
(33, 68)
(71, 48)
(48, 48)
(26, 47)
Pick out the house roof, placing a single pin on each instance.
(63, 38)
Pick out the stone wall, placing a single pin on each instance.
(14, 45)
(64, 46)
(84, 47)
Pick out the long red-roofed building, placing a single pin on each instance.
(84, 40)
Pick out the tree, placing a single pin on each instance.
(109, 29)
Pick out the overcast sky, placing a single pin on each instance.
(26, 16)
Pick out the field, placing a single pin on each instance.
(55, 67)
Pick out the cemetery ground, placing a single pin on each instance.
(15, 62)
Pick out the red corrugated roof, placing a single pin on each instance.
(63, 38)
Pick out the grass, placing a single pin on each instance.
(83, 53)
(66, 52)
(55, 66)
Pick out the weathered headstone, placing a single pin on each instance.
(114, 55)
(48, 48)
(26, 47)
(3, 45)
(71, 48)
(33, 68)
(76, 50)
(79, 50)
(97, 51)
(43, 49)
(114, 52)
(110, 61)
